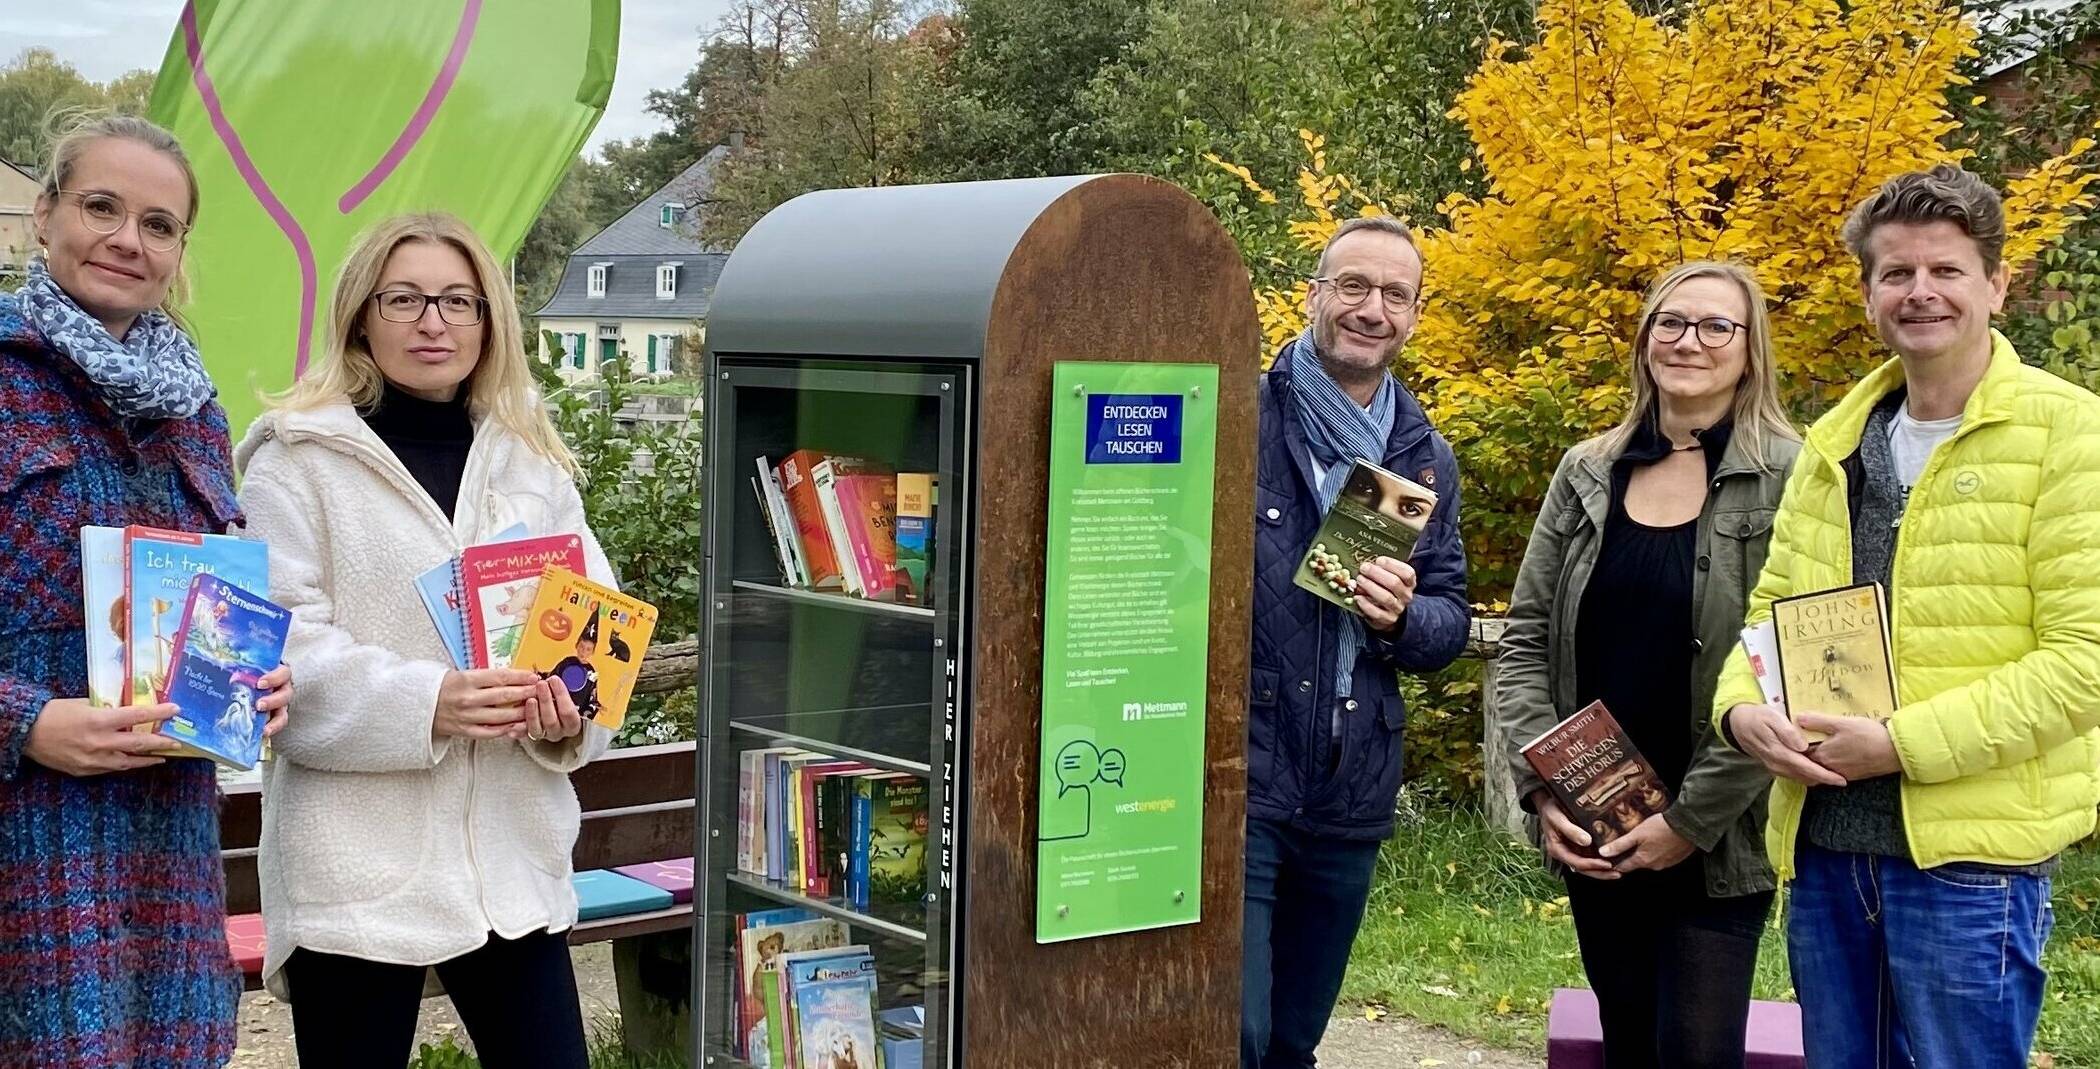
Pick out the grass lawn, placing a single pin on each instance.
(1467, 931)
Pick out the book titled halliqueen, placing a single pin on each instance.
(1379, 514)
(1597, 775)
(228, 640)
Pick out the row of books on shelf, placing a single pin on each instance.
(847, 524)
(179, 617)
(806, 999)
(831, 828)
(522, 602)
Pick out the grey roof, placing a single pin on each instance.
(637, 233)
(635, 244)
(630, 288)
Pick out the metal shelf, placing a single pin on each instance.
(831, 600)
(832, 746)
(826, 907)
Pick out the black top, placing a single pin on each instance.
(1634, 631)
(431, 438)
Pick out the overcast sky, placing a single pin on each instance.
(659, 41)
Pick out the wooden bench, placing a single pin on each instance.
(1575, 1038)
(637, 811)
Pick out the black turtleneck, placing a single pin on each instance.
(431, 439)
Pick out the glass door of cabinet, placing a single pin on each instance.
(830, 780)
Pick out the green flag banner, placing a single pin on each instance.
(309, 121)
(1126, 632)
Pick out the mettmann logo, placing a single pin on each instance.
(1154, 710)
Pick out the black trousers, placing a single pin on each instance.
(1671, 967)
(517, 998)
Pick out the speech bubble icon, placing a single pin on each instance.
(1077, 765)
(1112, 766)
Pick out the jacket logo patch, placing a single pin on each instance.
(1967, 482)
(1428, 478)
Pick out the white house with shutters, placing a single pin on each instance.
(641, 285)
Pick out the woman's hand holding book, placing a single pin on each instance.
(1565, 841)
(483, 703)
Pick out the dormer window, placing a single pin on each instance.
(666, 281)
(670, 215)
(595, 284)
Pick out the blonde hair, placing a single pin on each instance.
(74, 129)
(1758, 416)
(500, 387)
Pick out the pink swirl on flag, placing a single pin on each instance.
(462, 38)
(193, 46)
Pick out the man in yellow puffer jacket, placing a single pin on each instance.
(1920, 847)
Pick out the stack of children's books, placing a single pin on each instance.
(829, 828)
(182, 618)
(805, 999)
(522, 602)
(845, 524)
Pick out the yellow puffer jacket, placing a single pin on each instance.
(1996, 620)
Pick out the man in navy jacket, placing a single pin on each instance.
(1325, 715)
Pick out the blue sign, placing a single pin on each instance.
(1133, 428)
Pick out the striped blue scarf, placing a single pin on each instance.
(1339, 431)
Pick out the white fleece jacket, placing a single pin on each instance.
(378, 840)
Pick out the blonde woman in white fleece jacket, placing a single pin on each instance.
(416, 815)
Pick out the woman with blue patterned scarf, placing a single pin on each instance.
(112, 904)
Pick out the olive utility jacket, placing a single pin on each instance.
(1721, 805)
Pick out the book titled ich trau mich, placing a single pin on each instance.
(1379, 514)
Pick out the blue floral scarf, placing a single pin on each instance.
(154, 373)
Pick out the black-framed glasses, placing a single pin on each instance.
(408, 306)
(1712, 332)
(1350, 290)
(104, 213)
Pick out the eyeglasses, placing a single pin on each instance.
(408, 306)
(1351, 291)
(104, 213)
(1714, 331)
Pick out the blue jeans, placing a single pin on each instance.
(1898, 966)
(1305, 900)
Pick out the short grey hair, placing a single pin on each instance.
(1384, 224)
(1946, 192)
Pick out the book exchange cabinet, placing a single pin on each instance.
(879, 514)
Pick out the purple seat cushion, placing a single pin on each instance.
(1575, 1039)
(675, 876)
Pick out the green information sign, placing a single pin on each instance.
(1126, 633)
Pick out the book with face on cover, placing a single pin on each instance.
(1833, 650)
(105, 620)
(1379, 514)
(1597, 775)
(498, 581)
(228, 640)
(589, 638)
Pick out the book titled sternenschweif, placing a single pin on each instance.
(1379, 514)
(1597, 775)
(228, 640)
(1834, 653)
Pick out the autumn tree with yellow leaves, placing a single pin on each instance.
(1619, 145)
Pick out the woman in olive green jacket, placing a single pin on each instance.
(1632, 592)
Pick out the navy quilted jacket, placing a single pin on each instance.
(1289, 775)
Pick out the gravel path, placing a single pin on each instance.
(1352, 1042)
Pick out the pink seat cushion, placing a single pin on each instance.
(675, 876)
(1575, 1039)
(244, 936)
